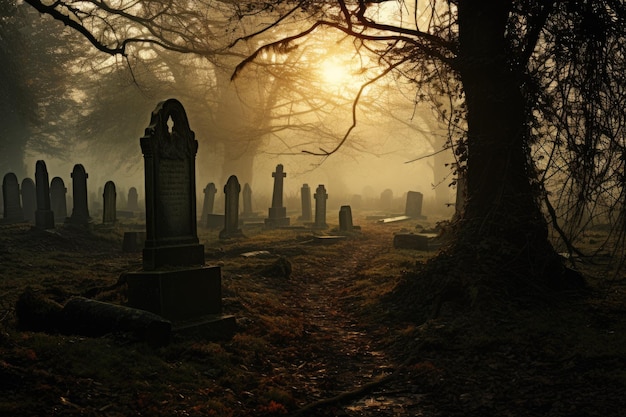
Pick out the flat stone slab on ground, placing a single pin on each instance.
(416, 241)
(329, 238)
(256, 254)
(394, 219)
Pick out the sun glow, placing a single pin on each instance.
(333, 72)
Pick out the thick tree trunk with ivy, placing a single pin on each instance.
(503, 230)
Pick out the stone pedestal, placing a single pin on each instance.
(181, 294)
(164, 256)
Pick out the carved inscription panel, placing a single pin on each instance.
(174, 199)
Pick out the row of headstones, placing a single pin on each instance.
(44, 203)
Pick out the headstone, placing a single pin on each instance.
(11, 199)
(277, 213)
(29, 199)
(414, 201)
(109, 203)
(305, 196)
(80, 210)
(320, 207)
(133, 200)
(247, 201)
(44, 217)
(386, 200)
(209, 200)
(345, 219)
(231, 209)
(58, 201)
(174, 283)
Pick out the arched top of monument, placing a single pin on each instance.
(169, 136)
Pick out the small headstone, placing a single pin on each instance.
(305, 195)
(345, 219)
(58, 201)
(247, 201)
(231, 209)
(386, 200)
(44, 217)
(133, 200)
(29, 199)
(209, 200)
(320, 207)
(109, 203)
(277, 213)
(80, 211)
(414, 201)
(13, 212)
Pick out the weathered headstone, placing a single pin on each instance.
(247, 202)
(174, 283)
(80, 210)
(414, 201)
(277, 213)
(44, 217)
(209, 200)
(386, 200)
(305, 197)
(345, 219)
(133, 200)
(320, 207)
(231, 209)
(11, 199)
(58, 201)
(109, 203)
(29, 199)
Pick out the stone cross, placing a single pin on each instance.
(80, 211)
(209, 200)
(109, 203)
(231, 209)
(305, 196)
(277, 213)
(44, 217)
(320, 207)
(247, 201)
(58, 201)
(345, 219)
(414, 201)
(133, 200)
(11, 199)
(29, 199)
(170, 178)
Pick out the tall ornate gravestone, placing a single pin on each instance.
(320, 207)
(209, 200)
(109, 203)
(277, 213)
(132, 203)
(247, 202)
(174, 282)
(231, 209)
(305, 197)
(11, 199)
(80, 210)
(414, 201)
(29, 199)
(44, 217)
(58, 201)
(345, 219)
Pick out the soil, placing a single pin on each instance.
(318, 334)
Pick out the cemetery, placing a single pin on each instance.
(173, 312)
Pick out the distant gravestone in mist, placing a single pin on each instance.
(132, 203)
(44, 217)
(413, 207)
(386, 200)
(305, 198)
(58, 200)
(231, 209)
(29, 199)
(80, 210)
(209, 200)
(109, 203)
(345, 219)
(11, 199)
(277, 213)
(247, 201)
(320, 207)
(174, 283)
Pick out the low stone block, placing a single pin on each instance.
(415, 241)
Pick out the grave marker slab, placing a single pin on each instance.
(109, 205)
(132, 203)
(247, 202)
(209, 200)
(345, 219)
(80, 211)
(29, 199)
(320, 207)
(413, 206)
(12, 205)
(58, 201)
(305, 197)
(44, 217)
(231, 209)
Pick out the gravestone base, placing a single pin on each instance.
(212, 327)
(44, 219)
(177, 295)
(277, 222)
(188, 255)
